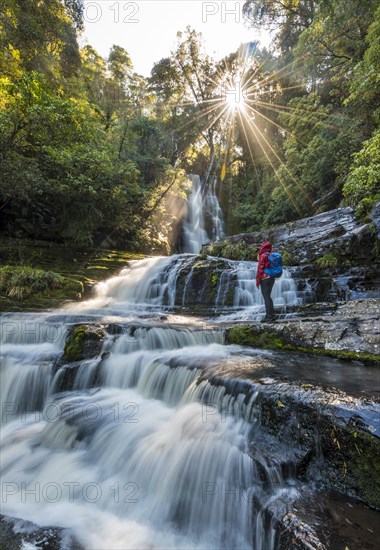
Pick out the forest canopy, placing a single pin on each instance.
(91, 151)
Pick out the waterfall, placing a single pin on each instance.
(135, 448)
(249, 298)
(214, 211)
(195, 234)
(161, 283)
(202, 206)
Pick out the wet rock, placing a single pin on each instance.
(17, 534)
(327, 249)
(83, 342)
(324, 436)
(200, 280)
(67, 375)
(352, 331)
(327, 519)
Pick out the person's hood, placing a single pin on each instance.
(265, 247)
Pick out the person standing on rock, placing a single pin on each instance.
(264, 281)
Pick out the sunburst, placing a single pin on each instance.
(241, 88)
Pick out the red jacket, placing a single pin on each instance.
(265, 248)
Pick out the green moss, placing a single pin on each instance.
(214, 279)
(329, 260)
(289, 258)
(247, 336)
(82, 343)
(75, 269)
(212, 287)
(363, 466)
(74, 346)
(233, 251)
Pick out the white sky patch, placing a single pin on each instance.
(147, 28)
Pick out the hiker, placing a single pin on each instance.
(265, 278)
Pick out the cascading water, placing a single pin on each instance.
(214, 211)
(130, 454)
(200, 207)
(134, 448)
(195, 234)
(157, 283)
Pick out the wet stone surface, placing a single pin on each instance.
(17, 534)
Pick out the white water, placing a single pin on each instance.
(138, 462)
(248, 298)
(135, 450)
(213, 209)
(151, 285)
(194, 229)
(195, 234)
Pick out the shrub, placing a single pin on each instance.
(329, 260)
(362, 188)
(22, 281)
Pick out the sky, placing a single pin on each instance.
(147, 28)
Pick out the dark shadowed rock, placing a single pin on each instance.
(17, 534)
(375, 217)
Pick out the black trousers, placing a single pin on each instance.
(266, 286)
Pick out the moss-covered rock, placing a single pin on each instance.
(83, 342)
(199, 280)
(346, 447)
(307, 337)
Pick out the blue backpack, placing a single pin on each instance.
(275, 265)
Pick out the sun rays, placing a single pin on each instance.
(239, 101)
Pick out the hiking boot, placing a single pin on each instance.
(268, 319)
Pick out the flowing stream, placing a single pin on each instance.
(135, 448)
(132, 450)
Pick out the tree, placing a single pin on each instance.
(43, 35)
(362, 188)
(288, 18)
(335, 41)
(119, 64)
(364, 98)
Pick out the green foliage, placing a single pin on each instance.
(364, 87)
(233, 251)
(322, 108)
(362, 189)
(329, 260)
(79, 161)
(21, 281)
(287, 258)
(89, 149)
